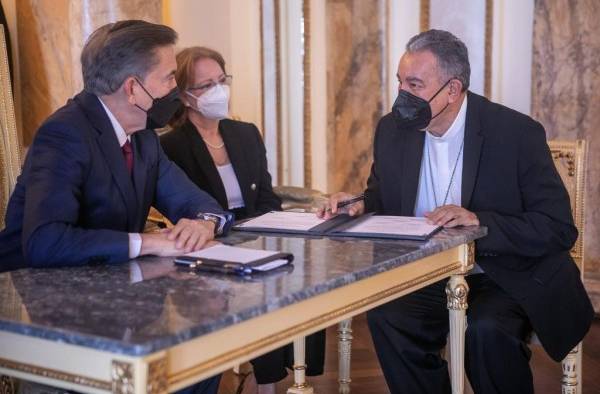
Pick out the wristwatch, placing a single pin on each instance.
(209, 217)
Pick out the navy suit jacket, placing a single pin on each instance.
(75, 202)
(510, 182)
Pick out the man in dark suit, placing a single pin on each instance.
(96, 166)
(460, 160)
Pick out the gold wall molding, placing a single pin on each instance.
(489, 37)
(424, 15)
(425, 24)
(278, 89)
(307, 91)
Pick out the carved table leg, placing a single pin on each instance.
(571, 367)
(150, 379)
(344, 355)
(457, 291)
(300, 386)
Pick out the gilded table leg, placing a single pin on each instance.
(300, 386)
(344, 355)
(571, 367)
(457, 291)
(142, 378)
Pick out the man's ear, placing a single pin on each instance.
(128, 88)
(454, 89)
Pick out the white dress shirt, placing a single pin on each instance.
(135, 239)
(232, 186)
(441, 157)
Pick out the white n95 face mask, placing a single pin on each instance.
(214, 103)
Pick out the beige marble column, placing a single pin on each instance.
(51, 36)
(355, 86)
(566, 98)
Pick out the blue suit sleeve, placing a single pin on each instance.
(56, 167)
(178, 197)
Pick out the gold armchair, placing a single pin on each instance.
(570, 161)
(10, 159)
(10, 150)
(299, 198)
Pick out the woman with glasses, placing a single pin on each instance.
(227, 158)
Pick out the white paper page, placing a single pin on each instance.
(299, 221)
(233, 254)
(271, 265)
(415, 226)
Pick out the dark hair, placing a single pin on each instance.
(186, 60)
(116, 51)
(451, 53)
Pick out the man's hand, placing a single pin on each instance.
(158, 244)
(331, 209)
(191, 234)
(452, 216)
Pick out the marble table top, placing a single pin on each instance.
(148, 304)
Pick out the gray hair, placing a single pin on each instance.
(451, 53)
(117, 51)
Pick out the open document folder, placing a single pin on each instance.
(367, 226)
(234, 260)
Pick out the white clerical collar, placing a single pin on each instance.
(457, 127)
(119, 130)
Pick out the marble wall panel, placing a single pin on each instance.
(51, 36)
(566, 98)
(355, 47)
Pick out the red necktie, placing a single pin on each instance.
(128, 155)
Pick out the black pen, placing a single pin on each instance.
(349, 201)
(224, 267)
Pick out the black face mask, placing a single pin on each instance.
(413, 112)
(162, 109)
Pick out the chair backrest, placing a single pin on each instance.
(570, 160)
(10, 149)
(299, 198)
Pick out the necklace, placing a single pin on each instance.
(451, 176)
(219, 146)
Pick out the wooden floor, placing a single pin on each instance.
(367, 377)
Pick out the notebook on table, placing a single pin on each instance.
(234, 260)
(366, 226)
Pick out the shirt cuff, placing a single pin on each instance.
(135, 245)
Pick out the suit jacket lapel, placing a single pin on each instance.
(109, 145)
(206, 163)
(237, 156)
(472, 152)
(140, 174)
(412, 147)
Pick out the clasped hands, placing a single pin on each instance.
(447, 216)
(188, 235)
